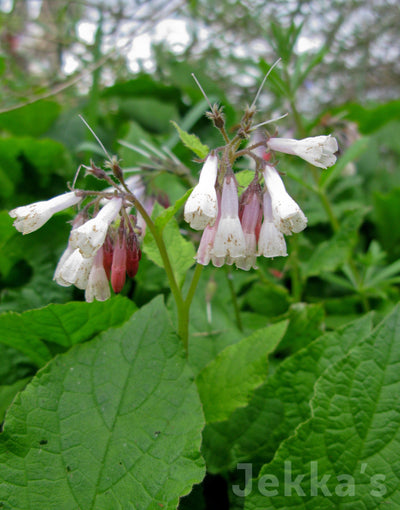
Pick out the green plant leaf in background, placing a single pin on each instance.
(350, 444)
(387, 214)
(32, 120)
(33, 331)
(192, 142)
(329, 255)
(114, 423)
(279, 405)
(228, 381)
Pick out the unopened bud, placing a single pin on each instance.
(108, 255)
(118, 267)
(96, 171)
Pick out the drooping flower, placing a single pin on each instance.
(271, 242)
(74, 270)
(90, 236)
(317, 150)
(97, 286)
(251, 214)
(201, 207)
(287, 214)
(229, 239)
(29, 218)
(204, 253)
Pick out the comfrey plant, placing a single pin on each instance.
(238, 230)
(104, 244)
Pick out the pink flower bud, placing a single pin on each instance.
(251, 213)
(133, 254)
(118, 267)
(108, 255)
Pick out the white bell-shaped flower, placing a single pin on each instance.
(287, 214)
(317, 150)
(204, 253)
(271, 242)
(90, 236)
(201, 207)
(229, 240)
(74, 270)
(97, 286)
(29, 218)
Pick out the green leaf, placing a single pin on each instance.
(269, 300)
(7, 394)
(353, 436)
(329, 255)
(114, 423)
(387, 212)
(229, 380)
(180, 251)
(167, 214)
(192, 142)
(280, 405)
(7, 231)
(352, 153)
(65, 325)
(32, 120)
(305, 325)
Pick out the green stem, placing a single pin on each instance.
(295, 274)
(183, 317)
(176, 292)
(234, 298)
(193, 284)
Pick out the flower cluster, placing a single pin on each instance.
(101, 249)
(238, 230)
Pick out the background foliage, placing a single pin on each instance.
(295, 361)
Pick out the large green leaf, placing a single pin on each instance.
(33, 331)
(33, 119)
(280, 405)
(387, 213)
(346, 455)
(228, 381)
(114, 423)
(329, 255)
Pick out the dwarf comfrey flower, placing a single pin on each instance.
(201, 207)
(204, 252)
(29, 218)
(317, 150)
(250, 216)
(287, 214)
(271, 242)
(90, 236)
(73, 269)
(229, 239)
(97, 286)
